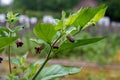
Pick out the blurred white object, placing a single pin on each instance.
(2, 18)
(23, 19)
(115, 24)
(33, 20)
(105, 21)
(49, 19)
(6, 2)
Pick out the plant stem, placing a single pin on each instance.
(9, 60)
(40, 69)
(77, 31)
(9, 57)
(46, 60)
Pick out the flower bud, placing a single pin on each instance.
(1, 59)
(71, 38)
(39, 49)
(56, 45)
(19, 43)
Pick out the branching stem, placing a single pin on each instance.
(46, 60)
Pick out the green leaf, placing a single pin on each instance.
(99, 15)
(1, 50)
(69, 45)
(5, 41)
(45, 32)
(4, 29)
(83, 16)
(16, 61)
(23, 59)
(96, 18)
(54, 71)
(4, 32)
(38, 41)
(19, 28)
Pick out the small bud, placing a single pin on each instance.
(1, 59)
(56, 46)
(39, 49)
(19, 43)
(71, 38)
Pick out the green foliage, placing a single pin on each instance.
(56, 71)
(69, 45)
(53, 36)
(86, 16)
(101, 52)
(45, 32)
(12, 18)
(5, 41)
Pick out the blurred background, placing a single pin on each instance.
(100, 61)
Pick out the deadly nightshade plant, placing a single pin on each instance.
(8, 35)
(56, 38)
(60, 36)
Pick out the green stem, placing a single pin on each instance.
(9, 60)
(9, 57)
(77, 31)
(40, 69)
(46, 60)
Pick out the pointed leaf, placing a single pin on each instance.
(83, 16)
(96, 18)
(99, 15)
(45, 31)
(61, 23)
(69, 45)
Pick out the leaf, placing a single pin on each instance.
(4, 32)
(96, 18)
(4, 29)
(83, 16)
(5, 41)
(45, 31)
(38, 41)
(23, 59)
(18, 28)
(54, 71)
(1, 50)
(99, 15)
(16, 61)
(69, 45)
(61, 23)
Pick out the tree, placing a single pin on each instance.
(52, 5)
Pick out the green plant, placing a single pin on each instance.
(56, 37)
